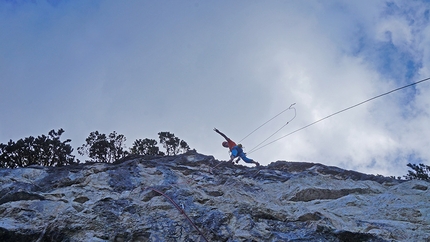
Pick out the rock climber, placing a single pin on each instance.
(235, 149)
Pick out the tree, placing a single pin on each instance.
(17, 154)
(172, 144)
(102, 148)
(51, 151)
(419, 172)
(43, 150)
(145, 147)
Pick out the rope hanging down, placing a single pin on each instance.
(291, 107)
(343, 110)
(240, 141)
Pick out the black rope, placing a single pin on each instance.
(343, 110)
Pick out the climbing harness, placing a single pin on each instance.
(260, 145)
(252, 150)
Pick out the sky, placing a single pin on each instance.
(141, 67)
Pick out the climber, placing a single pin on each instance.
(235, 149)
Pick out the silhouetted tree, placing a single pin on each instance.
(52, 151)
(172, 144)
(17, 154)
(102, 148)
(145, 147)
(419, 172)
(43, 150)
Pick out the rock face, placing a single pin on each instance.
(182, 198)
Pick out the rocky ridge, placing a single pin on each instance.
(183, 198)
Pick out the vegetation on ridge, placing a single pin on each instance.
(42, 150)
(51, 151)
(419, 172)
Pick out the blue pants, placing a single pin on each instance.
(238, 152)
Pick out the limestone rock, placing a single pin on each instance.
(183, 198)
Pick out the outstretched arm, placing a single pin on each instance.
(223, 135)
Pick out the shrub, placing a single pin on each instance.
(145, 147)
(173, 144)
(102, 148)
(43, 150)
(419, 172)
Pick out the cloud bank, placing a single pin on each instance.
(185, 67)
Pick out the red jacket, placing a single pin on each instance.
(231, 144)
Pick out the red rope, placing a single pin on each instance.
(182, 211)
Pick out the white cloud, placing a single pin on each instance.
(322, 78)
(144, 67)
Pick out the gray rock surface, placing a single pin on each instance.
(182, 198)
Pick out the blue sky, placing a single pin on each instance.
(141, 67)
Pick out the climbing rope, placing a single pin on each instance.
(343, 110)
(295, 113)
(283, 111)
(182, 211)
